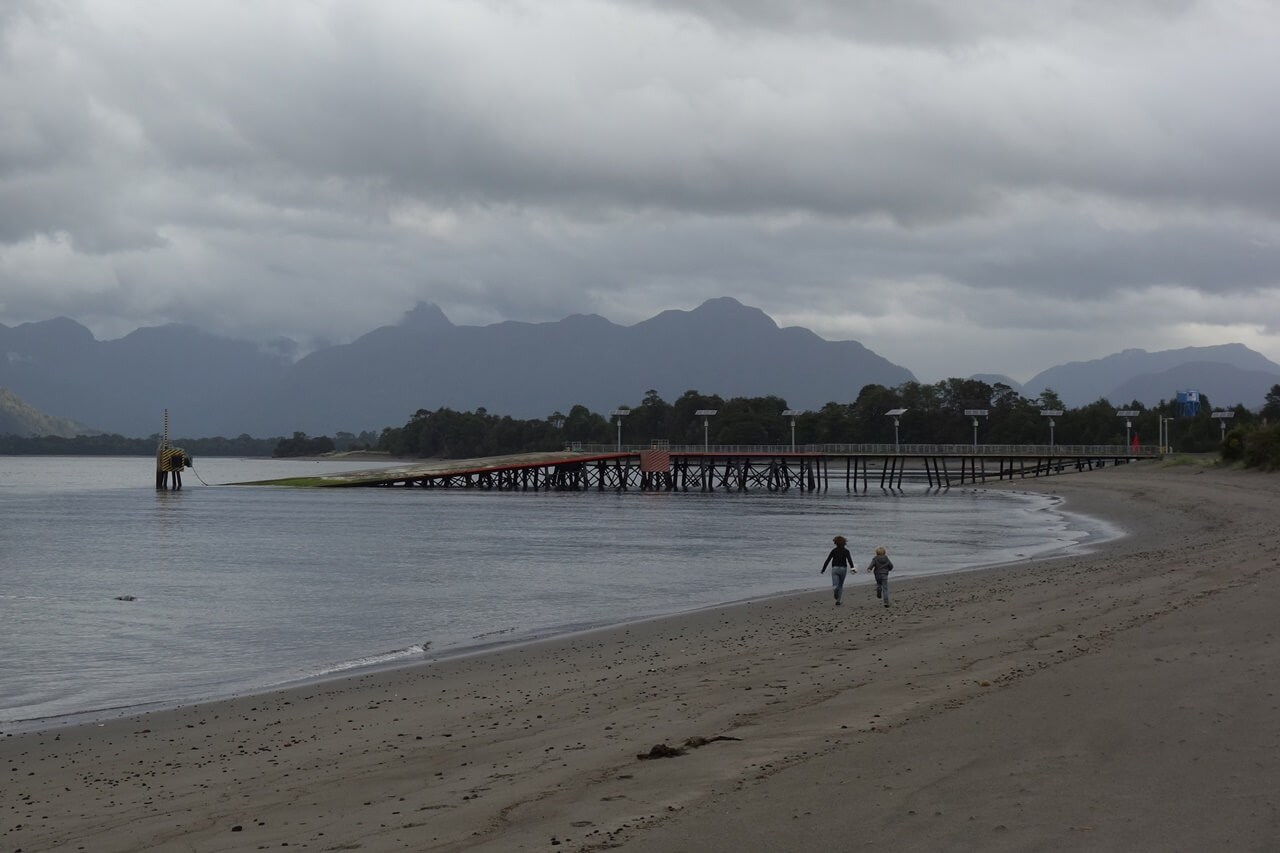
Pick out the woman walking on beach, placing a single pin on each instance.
(840, 561)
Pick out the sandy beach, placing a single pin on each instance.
(1124, 699)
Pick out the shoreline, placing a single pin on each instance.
(1117, 699)
(1096, 533)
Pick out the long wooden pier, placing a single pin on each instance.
(853, 468)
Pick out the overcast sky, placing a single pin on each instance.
(996, 186)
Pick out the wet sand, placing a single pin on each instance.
(1119, 700)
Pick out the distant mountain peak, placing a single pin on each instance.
(594, 321)
(425, 316)
(994, 379)
(724, 314)
(61, 328)
(1229, 353)
(1081, 382)
(727, 306)
(716, 303)
(17, 417)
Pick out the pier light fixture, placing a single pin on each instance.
(619, 414)
(706, 415)
(895, 414)
(793, 414)
(975, 414)
(1128, 415)
(1164, 434)
(1222, 416)
(1051, 414)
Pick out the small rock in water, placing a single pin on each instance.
(126, 598)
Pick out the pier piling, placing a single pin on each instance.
(169, 461)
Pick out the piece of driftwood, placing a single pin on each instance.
(662, 750)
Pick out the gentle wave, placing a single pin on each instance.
(372, 661)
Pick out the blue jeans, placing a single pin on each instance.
(838, 574)
(882, 588)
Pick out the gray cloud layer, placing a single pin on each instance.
(995, 189)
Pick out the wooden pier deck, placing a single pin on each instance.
(812, 468)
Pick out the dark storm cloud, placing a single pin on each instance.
(912, 148)
(1082, 260)
(930, 23)
(254, 165)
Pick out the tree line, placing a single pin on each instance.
(242, 445)
(934, 415)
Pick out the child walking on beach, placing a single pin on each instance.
(840, 561)
(881, 565)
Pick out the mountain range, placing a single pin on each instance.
(1227, 374)
(18, 417)
(214, 385)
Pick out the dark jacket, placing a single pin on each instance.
(838, 558)
(881, 565)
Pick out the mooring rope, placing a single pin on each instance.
(197, 473)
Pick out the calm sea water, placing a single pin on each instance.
(239, 588)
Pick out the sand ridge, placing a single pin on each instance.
(1085, 702)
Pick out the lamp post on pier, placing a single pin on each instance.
(1051, 414)
(706, 415)
(1127, 414)
(619, 414)
(1222, 416)
(975, 414)
(793, 414)
(895, 414)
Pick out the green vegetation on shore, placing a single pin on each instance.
(118, 445)
(1255, 442)
(1254, 446)
(934, 415)
(241, 446)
